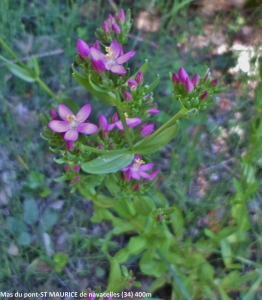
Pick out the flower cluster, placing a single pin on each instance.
(195, 92)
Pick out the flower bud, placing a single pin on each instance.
(214, 82)
(159, 218)
(175, 78)
(82, 48)
(195, 80)
(66, 168)
(189, 86)
(182, 75)
(111, 19)
(105, 27)
(98, 65)
(53, 114)
(97, 45)
(116, 28)
(147, 129)
(121, 16)
(115, 117)
(153, 111)
(204, 95)
(77, 178)
(70, 145)
(139, 77)
(132, 84)
(77, 168)
(127, 96)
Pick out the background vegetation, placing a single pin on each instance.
(48, 241)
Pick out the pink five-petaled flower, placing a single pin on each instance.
(137, 169)
(146, 129)
(114, 58)
(72, 124)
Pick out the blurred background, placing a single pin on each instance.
(47, 239)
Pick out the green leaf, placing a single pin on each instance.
(48, 219)
(136, 244)
(107, 163)
(15, 226)
(108, 98)
(122, 255)
(153, 85)
(24, 239)
(104, 201)
(258, 95)
(156, 143)
(226, 252)
(143, 69)
(35, 180)
(115, 276)
(60, 260)
(112, 184)
(30, 211)
(20, 72)
(34, 64)
(150, 265)
(98, 88)
(143, 205)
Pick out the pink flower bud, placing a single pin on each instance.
(139, 77)
(53, 114)
(204, 95)
(121, 17)
(70, 145)
(175, 78)
(66, 168)
(189, 85)
(206, 77)
(82, 48)
(153, 111)
(147, 129)
(159, 218)
(98, 65)
(97, 45)
(182, 75)
(99, 146)
(115, 117)
(77, 178)
(214, 82)
(105, 27)
(132, 84)
(195, 80)
(135, 187)
(116, 28)
(127, 96)
(111, 19)
(77, 168)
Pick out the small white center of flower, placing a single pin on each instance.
(72, 120)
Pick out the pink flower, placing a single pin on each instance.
(121, 16)
(105, 27)
(72, 124)
(204, 95)
(175, 78)
(182, 75)
(137, 169)
(132, 122)
(195, 80)
(53, 114)
(139, 77)
(114, 58)
(116, 28)
(127, 96)
(214, 82)
(132, 84)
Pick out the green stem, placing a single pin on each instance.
(8, 49)
(167, 124)
(47, 89)
(123, 120)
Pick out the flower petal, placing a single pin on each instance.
(114, 48)
(119, 125)
(71, 135)
(103, 122)
(59, 126)
(146, 167)
(117, 69)
(97, 55)
(135, 175)
(122, 59)
(144, 174)
(87, 128)
(133, 122)
(111, 126)
(83, 113)
(64, 111)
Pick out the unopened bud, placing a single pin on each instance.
(189, 85)
(195, 80)
(139, 77)
(121, 17)
(182, 75)
(116, 28)
(214, 82)
(204, 95)
(82, 48)
(127, 96)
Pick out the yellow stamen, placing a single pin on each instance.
(126, 115)
(109, 52)
(70, 118)
(138, 162)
